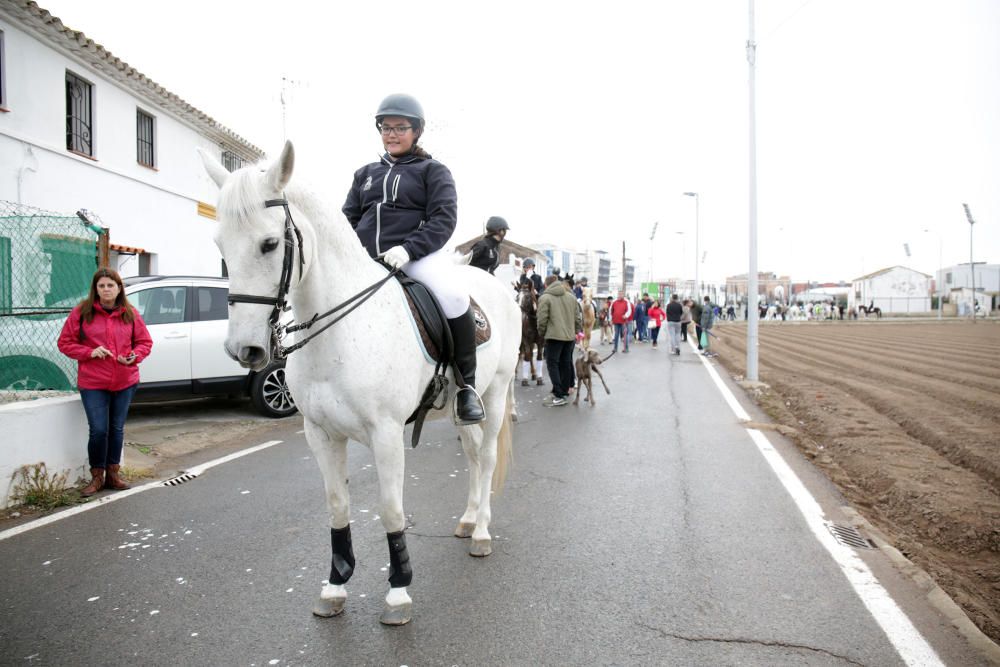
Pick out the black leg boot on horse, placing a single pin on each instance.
(468, 406)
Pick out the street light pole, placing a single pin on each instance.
(752, 313)
(696, 253)
(972, 264)
(940, 274)
(652, 235)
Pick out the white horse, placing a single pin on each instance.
(361, 378)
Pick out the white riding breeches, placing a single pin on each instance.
(439, 272)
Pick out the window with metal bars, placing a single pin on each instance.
(231, 161)
(3, 73)
(79, 115)
(144, 138)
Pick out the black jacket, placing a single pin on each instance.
(535, 279)
(410, 202)
(674, 311)
(485, 255)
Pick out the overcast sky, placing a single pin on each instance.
(583, 123)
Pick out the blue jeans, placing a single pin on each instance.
(621, 331)
(106, 412)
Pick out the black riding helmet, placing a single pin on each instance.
(496, 224)
(400, 104)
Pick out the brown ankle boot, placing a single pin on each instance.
(96, 482)
(113, 481)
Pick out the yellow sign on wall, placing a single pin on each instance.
(206, 210)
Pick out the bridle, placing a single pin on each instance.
(280, 303)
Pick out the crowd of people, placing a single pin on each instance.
(640, 321)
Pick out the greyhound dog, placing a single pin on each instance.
(586, 365)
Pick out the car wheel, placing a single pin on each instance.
(32, 374)
(269, 392)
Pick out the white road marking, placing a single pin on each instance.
(905, 638)
(120, 495)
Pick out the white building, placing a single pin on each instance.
(896, 289)
(956, 284)
(80, 129)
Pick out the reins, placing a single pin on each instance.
(280, 302)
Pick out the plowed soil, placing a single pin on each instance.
(905, 418)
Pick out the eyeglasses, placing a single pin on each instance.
(386, 130)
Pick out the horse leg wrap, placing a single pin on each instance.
(342, 566)
(400, 573)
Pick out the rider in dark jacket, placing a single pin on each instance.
(485, 253)
(529, 275)
(404, 209)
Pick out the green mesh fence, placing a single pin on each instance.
(46, 263)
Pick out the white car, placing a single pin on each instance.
(187, 318)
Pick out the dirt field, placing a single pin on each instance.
(905, 418)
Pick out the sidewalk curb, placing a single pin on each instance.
(937, 597)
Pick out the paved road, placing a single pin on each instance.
(647, 530)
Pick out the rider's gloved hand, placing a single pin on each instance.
(396, 256)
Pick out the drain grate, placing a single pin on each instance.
(849, 536)
(180, 479)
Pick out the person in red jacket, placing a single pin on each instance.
(108, 338)
(656, 317)
(621, 315)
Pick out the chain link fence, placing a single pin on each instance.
(46, 263)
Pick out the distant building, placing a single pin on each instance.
(770, 288)
(896, 289)
(956, 284)
(80, 129)
(595, 265)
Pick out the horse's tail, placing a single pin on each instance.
(505, 449)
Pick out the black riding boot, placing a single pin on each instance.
(468, 406)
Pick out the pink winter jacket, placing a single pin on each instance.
(112, 332)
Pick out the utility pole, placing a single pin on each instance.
(972, 264)
(752, 313)
(623, 266)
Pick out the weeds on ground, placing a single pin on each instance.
(132, 473)
(33, 486)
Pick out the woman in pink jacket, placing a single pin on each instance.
(108, 338)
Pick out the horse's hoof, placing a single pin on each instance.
(396, 614)
(465, 529)
(540, 382)
(481, 548)
(524, 383)
(327, 607)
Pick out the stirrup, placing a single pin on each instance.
(454, 408)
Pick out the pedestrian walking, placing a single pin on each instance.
(109, 340)
(604, 319)
(656, 317)
(642, 319)
(675, 312)
(621, 316)
(708, 314)
(559, 321)
(686, 318)
(696, 312)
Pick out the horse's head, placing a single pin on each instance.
(251, 238)
(527, 298)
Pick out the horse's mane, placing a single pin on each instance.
(242, 197)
